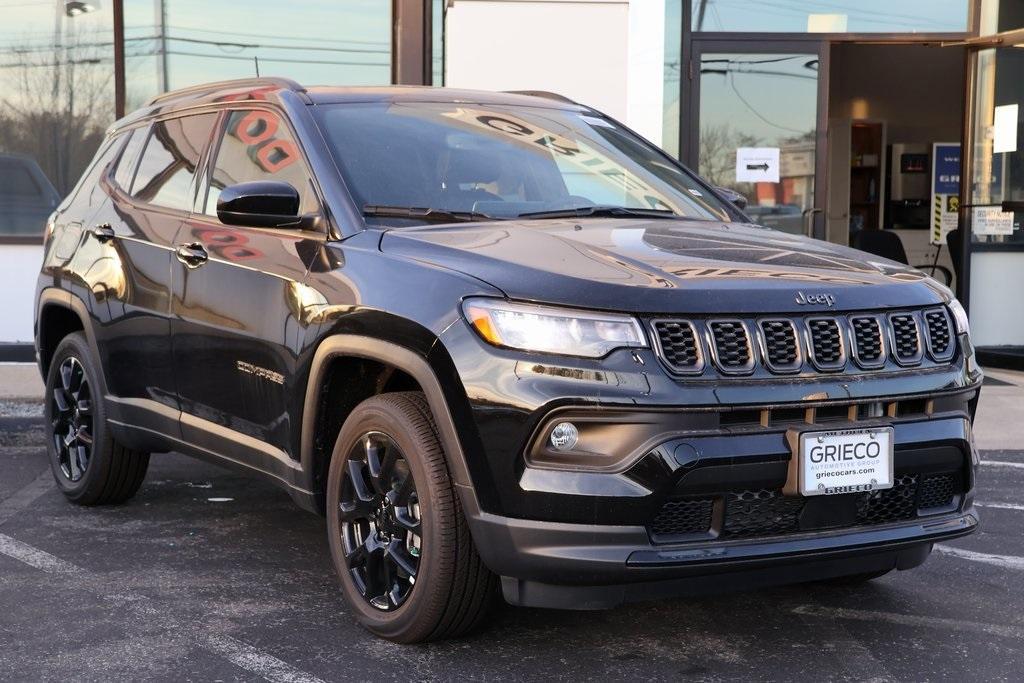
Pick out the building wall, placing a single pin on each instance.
(19, 264)
(608, 54)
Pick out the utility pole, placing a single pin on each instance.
(163, 73)
(701, 8)
(58, 148)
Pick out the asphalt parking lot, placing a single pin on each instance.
(208, 575)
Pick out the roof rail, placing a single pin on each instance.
(546, 95)
(280, 82)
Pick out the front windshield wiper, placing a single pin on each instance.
(601, 211)
(424, 213)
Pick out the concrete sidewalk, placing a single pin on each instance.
(1000, 423)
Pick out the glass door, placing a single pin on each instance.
(756, 126)
(993, 205)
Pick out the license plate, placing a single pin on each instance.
(845, 461)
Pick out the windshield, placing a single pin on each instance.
(503, 162)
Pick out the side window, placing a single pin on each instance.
(168, 164)
(129, 158)
(257, 145)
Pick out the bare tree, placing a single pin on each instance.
(56, 101)
(718, 145)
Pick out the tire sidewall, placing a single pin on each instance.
(95, 474)
(417, 610)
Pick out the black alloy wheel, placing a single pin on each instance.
(379, 516)
(72, 419)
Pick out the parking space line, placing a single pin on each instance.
(34, 557)
(1004, 561)
(1002, 506)
(255, 661)
(235, 651)
(1003, 463)
(1013, 632)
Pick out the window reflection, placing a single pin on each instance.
(768, 102)
(168, 164)
(176, 43)
(257, 145)
(818, 16)
(56, 76)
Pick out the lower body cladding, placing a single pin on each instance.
(719, 513)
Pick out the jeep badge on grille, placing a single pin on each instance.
(815, 299)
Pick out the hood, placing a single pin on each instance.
(661, 266)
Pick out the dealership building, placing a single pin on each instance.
(894, 126)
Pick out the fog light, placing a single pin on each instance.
(564, 436)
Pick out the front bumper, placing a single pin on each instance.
(579, 537)
(575, 566)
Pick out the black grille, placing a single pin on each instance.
(889, 505)
(867, 339)
(762, 512)
(766, 512)
(938, 491)
(826, 343)
(678, 343)
(678, 517)
(732, 345)
(940, 341)
(906, 342)
(780, 345)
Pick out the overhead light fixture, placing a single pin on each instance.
(73, 8)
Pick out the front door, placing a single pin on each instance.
(756, 126)
(237, 292)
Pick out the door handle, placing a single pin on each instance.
(103, 232)
(192, 254)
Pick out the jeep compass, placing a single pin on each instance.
(504, 344)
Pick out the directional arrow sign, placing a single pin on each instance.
(757, 165)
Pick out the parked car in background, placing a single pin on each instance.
(785, 217)
(504, 345)
(27, 196)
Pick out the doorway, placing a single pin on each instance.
(893, 111)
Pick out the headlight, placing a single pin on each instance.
(963, 326)
(551, 330)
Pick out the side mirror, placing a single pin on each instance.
(260, 204)
(732, 196)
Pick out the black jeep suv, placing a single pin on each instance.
(499, 340)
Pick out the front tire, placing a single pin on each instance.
(399, 541)
(90, 467)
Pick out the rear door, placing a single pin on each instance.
(127, 254)
(238, 291)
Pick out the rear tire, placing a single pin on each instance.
(90, 467)
(385, 518)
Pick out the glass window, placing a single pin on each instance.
(671, 75)
(130, 157)
(257, 145)
(998, 169)
(503, 161)
(173, 44)
(758, 116)
(56, 71)
(437, 42)
(168, 164)
(818, 16)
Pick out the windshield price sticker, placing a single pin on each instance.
(849, 461)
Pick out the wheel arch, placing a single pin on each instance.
(61, 313)
(401, 359)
